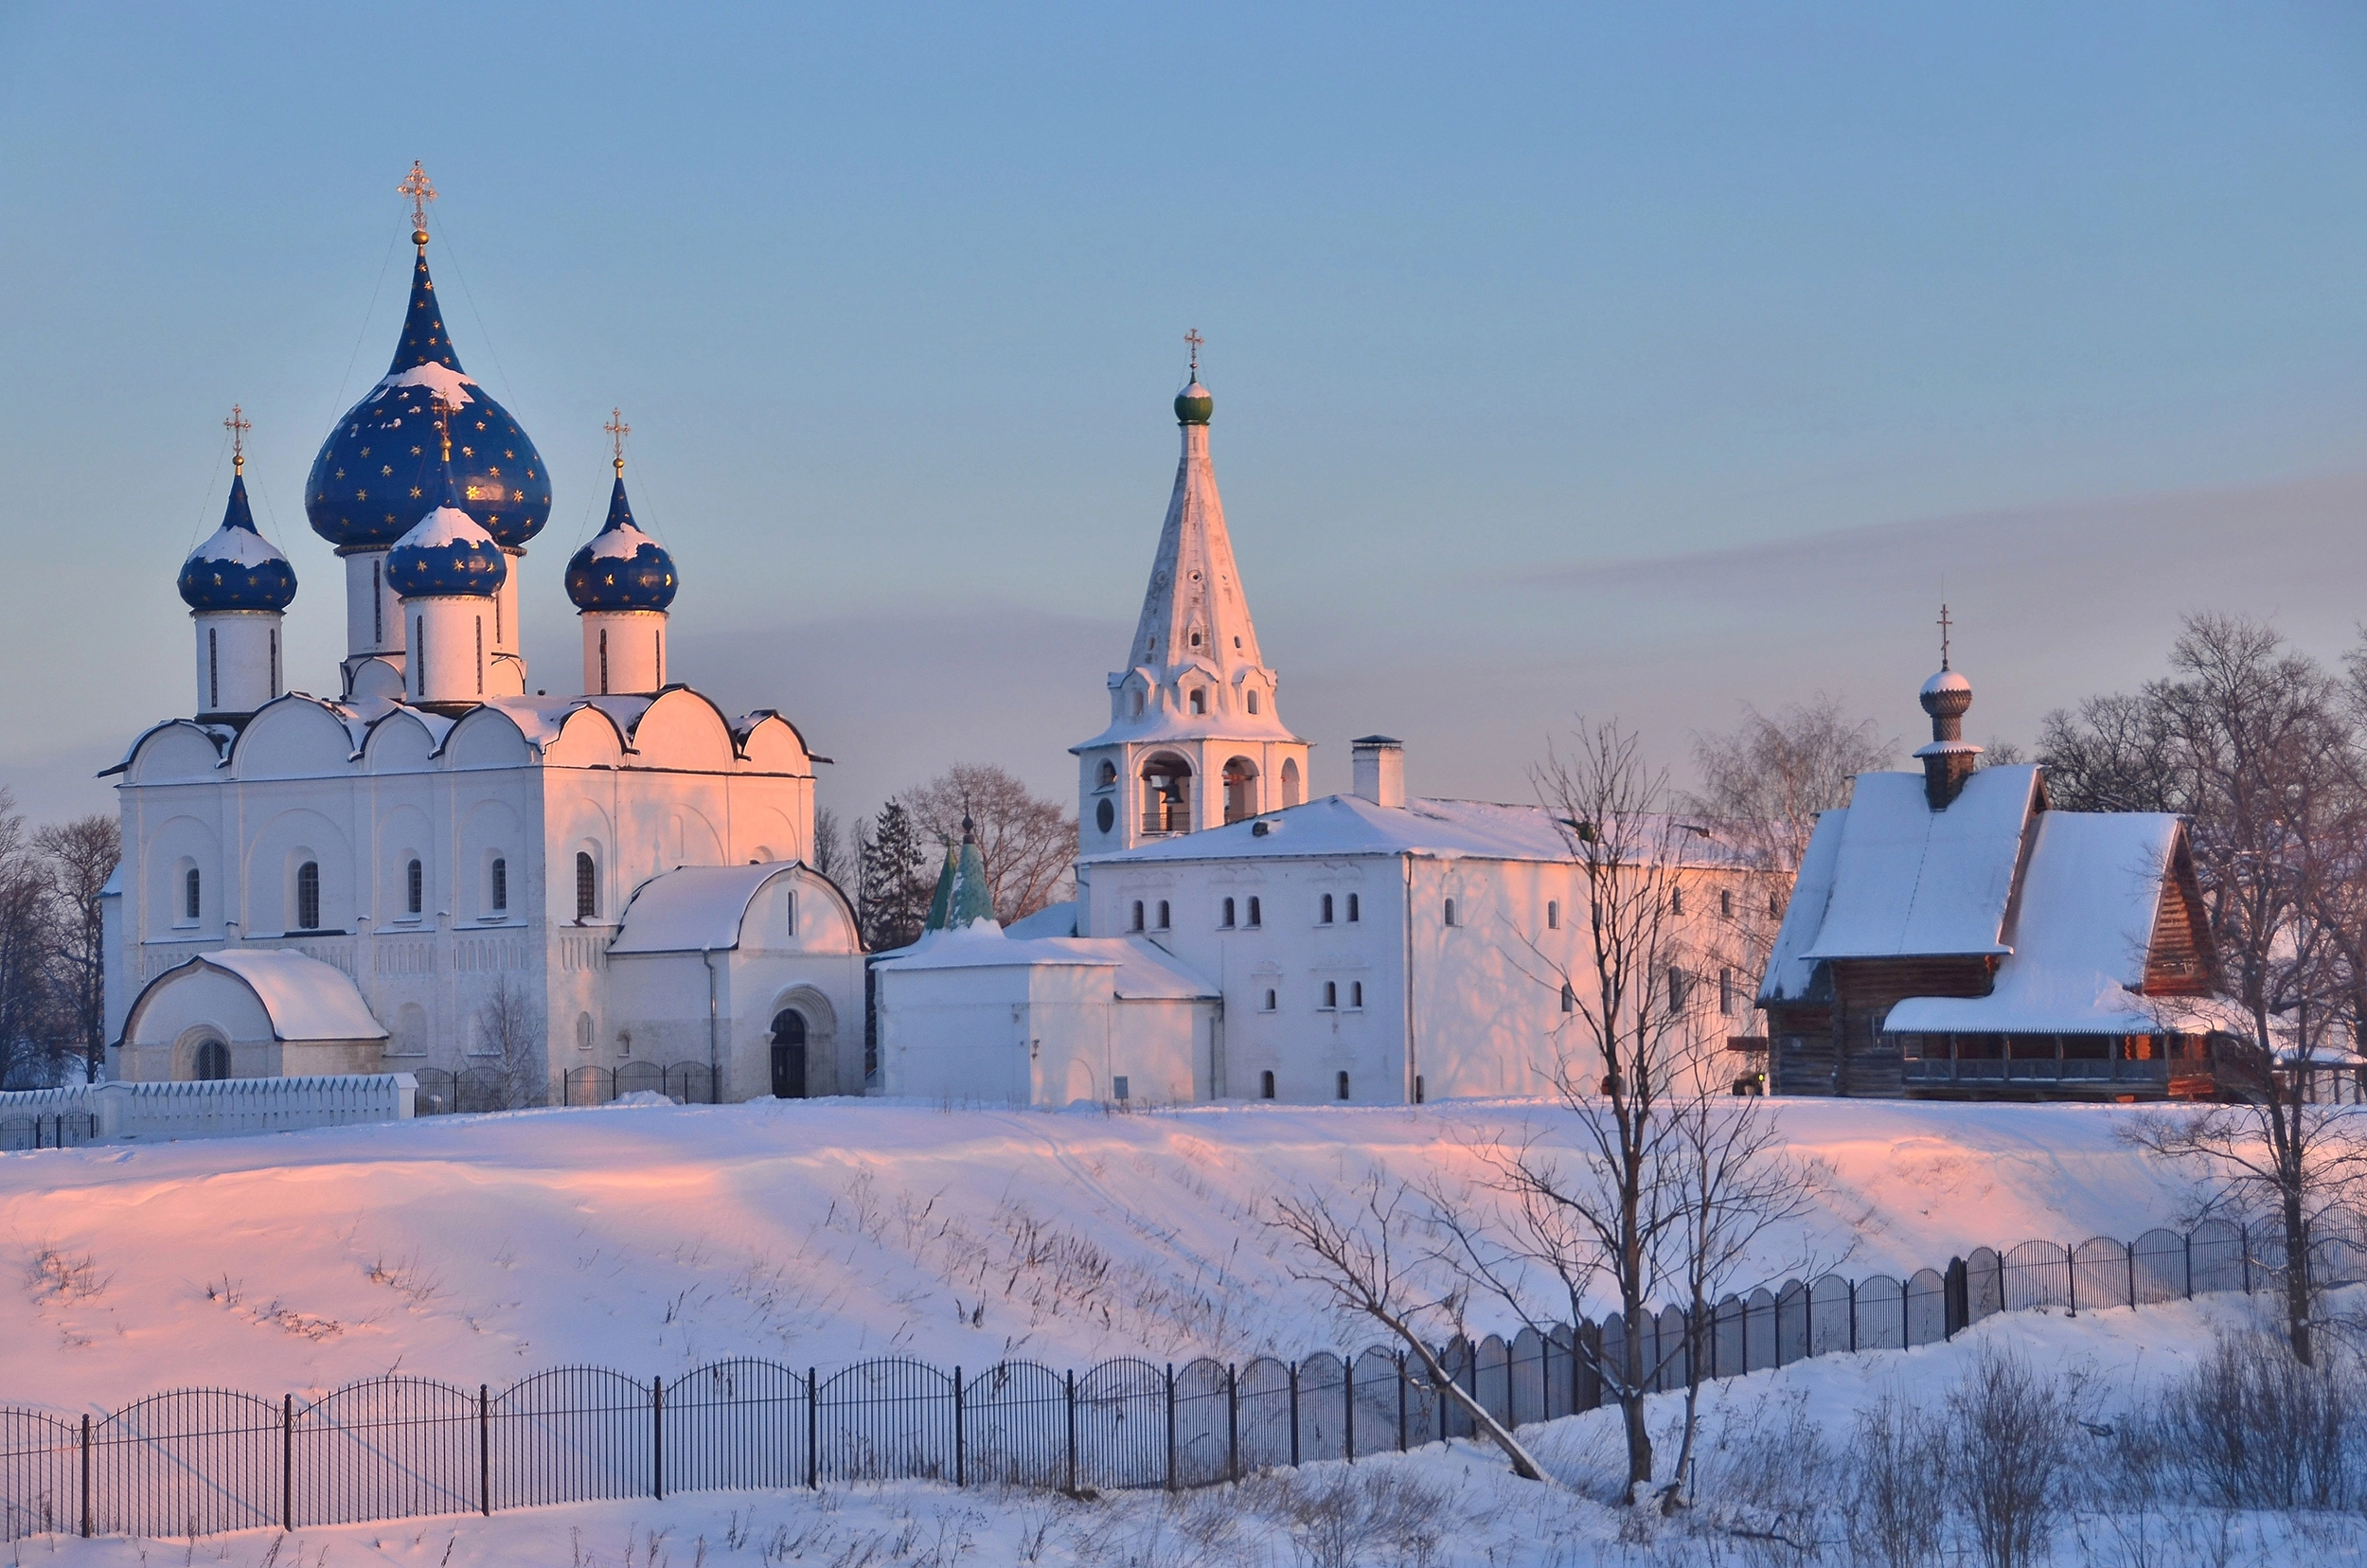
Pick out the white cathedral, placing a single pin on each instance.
(397, 876)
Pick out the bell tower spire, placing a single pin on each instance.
(1194, 740)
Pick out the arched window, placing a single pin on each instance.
(1253, 700)
(211, 1062)
(1108, 775)
(1240, 789)
(1200, 697)
(1257, 915)
(1353, 912)
(1289, 781)
(1343, 1086)
(1138, 702)
(1553, 913)
(1356, 993)
(1324, 919)
(1264, 1086)
(308, 899)
(1162, 915)
(584, 1031)
(1451, 912)
(501, 885)
(1138, 914)
(413, 889)
(587, 886)
(1228, 912)
(1166, 794)
(1331, 995)
(189, 902)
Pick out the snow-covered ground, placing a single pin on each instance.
(1446, 1506)
(655, 1239)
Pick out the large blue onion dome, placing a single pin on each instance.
(237, 569)
(447, 552)
(622, 568)
(381, 462)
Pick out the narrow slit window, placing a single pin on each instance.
(1553, 913)
(1269, 1000)
(1331, 995)
(1162, 915)
(414, 887)
(309, 896)
(1356, 993)
(1451, 912)
(1256, 916)
(188, 894)
(378, 608)
(1726, 903)
(1417, 1088)
(587, 886)
(1343, 1086)
(1353, 911)
(1326, 917)
(1569, 999)
(501, 884)
(1138, 914)
(1253, 700)
(1228, 913)
(213, 671)
(1264, 1086)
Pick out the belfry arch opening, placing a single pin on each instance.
(1240, 789)
(1166, 794)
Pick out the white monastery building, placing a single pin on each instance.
(1232, 940)
(442, 867)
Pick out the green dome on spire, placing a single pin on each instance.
(962, 896)
(1193, 404)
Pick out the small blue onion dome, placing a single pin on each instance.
(447, 552)
(1193, 405)
(380, 464)
(622, 568)
(237, 569)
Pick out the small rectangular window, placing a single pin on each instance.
(1343, 1086)
(789, 911)
(1264, 1086)
(1253, 700)
(1331, 994)
(189, 892)
(1569, 999)
(1270, 1001)
(1451, 912)
(501, 884)
(1417, 1088)
(1118, 1086)
(1553, 913)
(1726, 990)
(587, 886)
(309, 896)
(1353, 912)
(413, 889)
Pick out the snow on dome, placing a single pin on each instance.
(1195, 404)
(1947, 680)
(237, 569)
(447, 552)
(622, 568)
(383, 458)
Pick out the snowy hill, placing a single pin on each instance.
(653, 1239)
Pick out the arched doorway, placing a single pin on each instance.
(789, 1055)
(211, 1059)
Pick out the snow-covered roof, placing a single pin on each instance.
(1790, 970)
(304, 998)
(2078, 938)
(1908, 880)
(694, 908)
(1143, 971)
(1434, 829)
(1057, 920)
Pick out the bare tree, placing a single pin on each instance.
(2250, 739)
(1026, 843)
(509, 1028)
(1360, 1261)
(1771, 777)
(81, 855)
(28, 1032)
(830, 855)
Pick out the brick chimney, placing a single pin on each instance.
(1379, 768)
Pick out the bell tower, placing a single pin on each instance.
(1194, 740)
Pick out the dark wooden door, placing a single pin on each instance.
(789, 1055)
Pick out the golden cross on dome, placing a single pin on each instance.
(415, 186)
(1944, 625)
(1191, 335)
(617, 430)
(238, 424)
(443, 428)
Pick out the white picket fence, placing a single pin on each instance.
(215, 1108)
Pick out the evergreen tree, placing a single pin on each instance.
(892, 887)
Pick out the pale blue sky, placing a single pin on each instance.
(1632, 360)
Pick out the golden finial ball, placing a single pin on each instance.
(419, 237)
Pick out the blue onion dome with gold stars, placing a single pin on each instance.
(447, 552)
(379, 465)
(622, 568)
(237, 569)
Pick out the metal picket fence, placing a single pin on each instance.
(195, 1462)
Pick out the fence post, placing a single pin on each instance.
(814, 1432)
(1852, 1313)
(1956, 1298)
(86, 1509)
(2071, 1277)
(960, 1477)
(287, 1461)
(1347, 1381)
(1171, 1426)
(1233, 1421)
(1906, 1319)
(1072, 1433)
(485, 1449)
(1400, 1401)
(1807, 1323)
(2186, 1243)
(2243, 1235)
(2128, 1256)
(1294, 1414)
(657, 1437)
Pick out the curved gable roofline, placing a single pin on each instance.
(371, 728)
(624, 742)
(221, 735)
(713, 707)
(693, 924)
(296, 992)
(475, 708)
(357, 730)
(749, 722)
